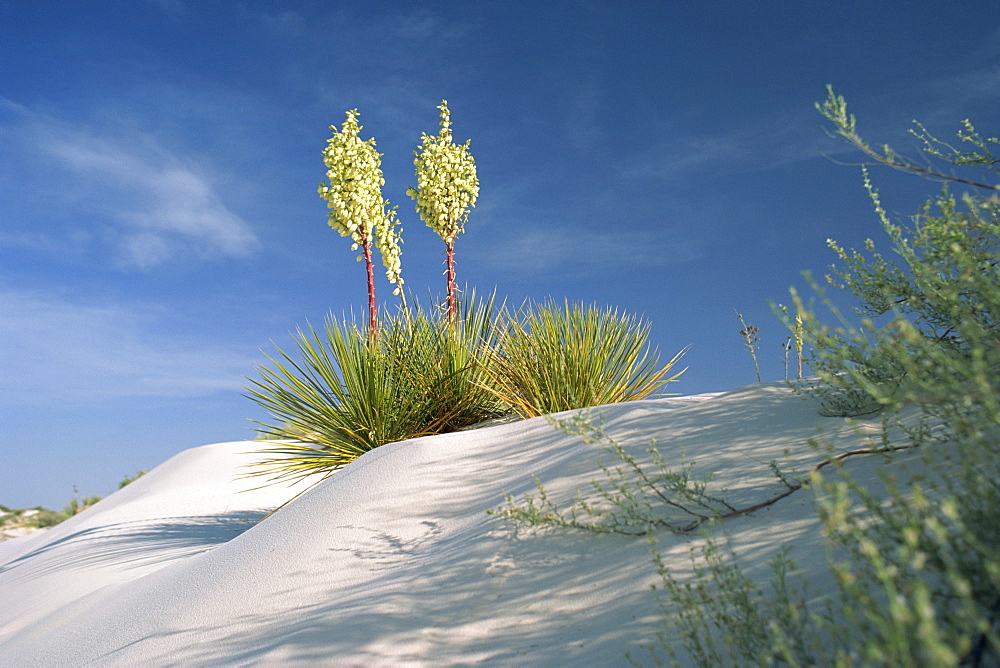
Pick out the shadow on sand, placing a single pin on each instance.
(139, 543)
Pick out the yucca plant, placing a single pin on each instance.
(348, 394)
(554, 358)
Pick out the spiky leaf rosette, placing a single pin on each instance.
(555, 358)
(344, 394)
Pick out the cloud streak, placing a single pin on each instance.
(802, 134)
(157, 204)
(567, 251)
(57, 351)
(779, 141)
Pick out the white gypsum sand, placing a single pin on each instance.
(394, 559)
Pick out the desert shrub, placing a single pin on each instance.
(553, 358)
(918, 568)
(348, 393)
(839, 394)
(723, 618)
(37, 517)
(938, 300)
(130, 478)
(78, 505)
(921, 584)
(45, 518)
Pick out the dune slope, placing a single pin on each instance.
(394, 560)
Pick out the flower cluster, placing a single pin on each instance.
(447, 185)
(354, 194)
(388, 237)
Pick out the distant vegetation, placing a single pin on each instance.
(43, 518)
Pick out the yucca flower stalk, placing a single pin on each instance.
(795, 340)
(799, 343)
(447, 188)
(750, 340)
(357, 208)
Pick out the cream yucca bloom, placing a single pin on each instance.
(354, 193)
(354, 197)
(388, 237)
(447, 188)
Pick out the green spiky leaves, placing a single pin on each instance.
(559, 357)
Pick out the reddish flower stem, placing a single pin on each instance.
(452, 288)
(366, 245)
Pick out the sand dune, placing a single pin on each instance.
(394, 560)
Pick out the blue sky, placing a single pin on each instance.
(160, 227)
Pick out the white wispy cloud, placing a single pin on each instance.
(57, 350)
(535, 250)
(159, 205)
(802, 134)
(173, 9)
(425, 25)
(582, 126)
(286, 23)
(778, 141)
(949, 98)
